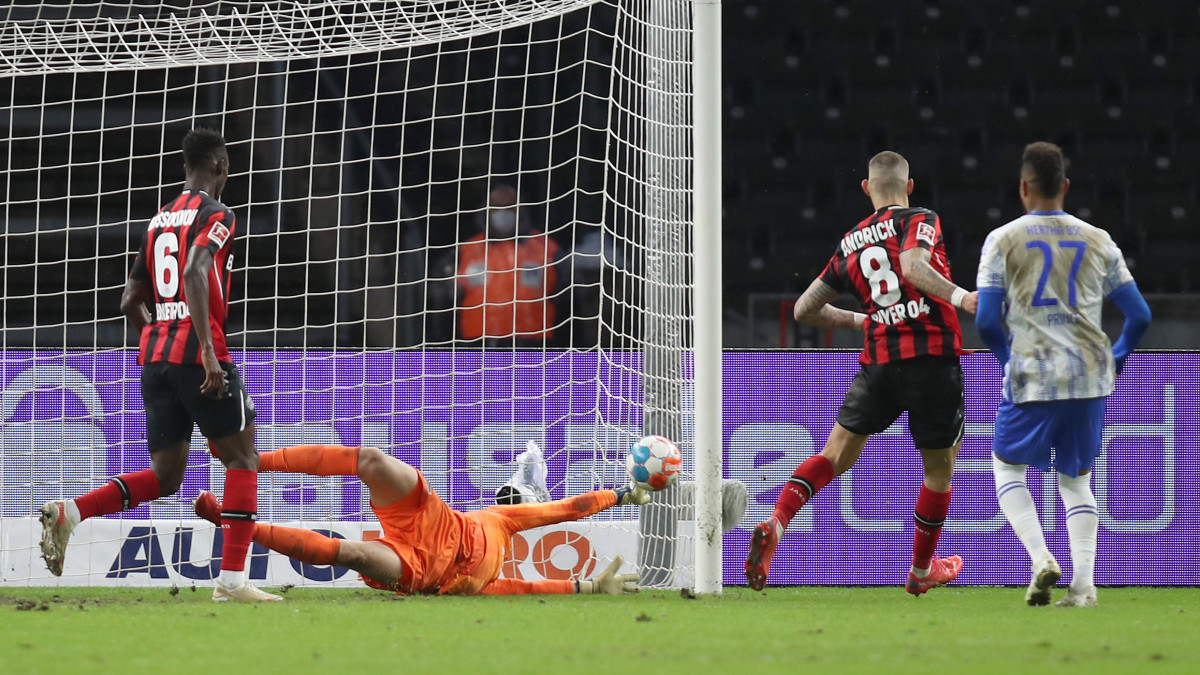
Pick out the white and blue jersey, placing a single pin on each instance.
(1055, 271)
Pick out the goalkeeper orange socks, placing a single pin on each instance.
(303, 545)
(237, 523)
(314, 460)
(122, 493)
(929, 516)
(814, 474)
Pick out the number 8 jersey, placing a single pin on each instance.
(1055, 271)
(191, 219)
(903, 322)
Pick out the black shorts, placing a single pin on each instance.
(930, 388)
(171, 394)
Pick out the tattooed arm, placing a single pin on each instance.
(914, 264)
(813, 309)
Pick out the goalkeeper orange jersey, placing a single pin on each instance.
(444, 551)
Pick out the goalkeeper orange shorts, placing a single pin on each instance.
(427, 535)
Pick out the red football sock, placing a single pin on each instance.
(122, 493)
(303, 545)
(814, 474)
(929, 515)
(237, 517)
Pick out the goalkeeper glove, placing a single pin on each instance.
(609, 582)
(632, 494)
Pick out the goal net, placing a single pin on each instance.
(462, 225)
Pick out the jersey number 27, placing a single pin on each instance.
(1040, 300)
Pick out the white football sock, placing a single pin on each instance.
(1017, 505)
(72, 511)
(231, 578)
(1083, 520)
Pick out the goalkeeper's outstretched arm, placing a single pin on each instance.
(608, 582)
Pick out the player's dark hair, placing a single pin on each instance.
(201, 146)
(1044, 167)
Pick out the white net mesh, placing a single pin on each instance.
(77, 37)
(377, 298)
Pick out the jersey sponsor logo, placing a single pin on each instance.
(926, 233)
(173, 219)
(871, 234)
(900, 312)
(171, 311)
(218, 234)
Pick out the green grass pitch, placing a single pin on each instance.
(964, 629)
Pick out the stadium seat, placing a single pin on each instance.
(1163, 207)
(964, 87)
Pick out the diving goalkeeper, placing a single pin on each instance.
(427, 547)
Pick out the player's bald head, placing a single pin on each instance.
(888, 173)
(1044, 168)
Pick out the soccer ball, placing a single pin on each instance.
(653, 463)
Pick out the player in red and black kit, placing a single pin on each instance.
(188, 377)
(894, 263)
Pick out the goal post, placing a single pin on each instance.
(706, 197)
(367, 141)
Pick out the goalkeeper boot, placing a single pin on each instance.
(244, 593)
(941, 572)
(762, 549)
(1046, 573)
(1078, 598)
(527, 485)
(208, 507)
(58, 522)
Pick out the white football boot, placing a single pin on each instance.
(1078, 598)
(527, 485)
(244, 593)
(58, 522)
(1046, 573)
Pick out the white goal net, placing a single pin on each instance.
(462, 225)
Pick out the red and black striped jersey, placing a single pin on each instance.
(191, 219)
(904, 322)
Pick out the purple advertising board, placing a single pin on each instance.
(858, 530)
(461, 416)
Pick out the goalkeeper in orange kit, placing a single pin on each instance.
(427, 547)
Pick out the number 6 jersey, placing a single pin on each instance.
(904, 322)
(1055, 271)
(191, 219)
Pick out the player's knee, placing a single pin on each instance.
(939, 476)
(170, 478)
(350, 555)
(169, 485)
(371, 461)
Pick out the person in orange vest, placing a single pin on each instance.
(507, 278)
